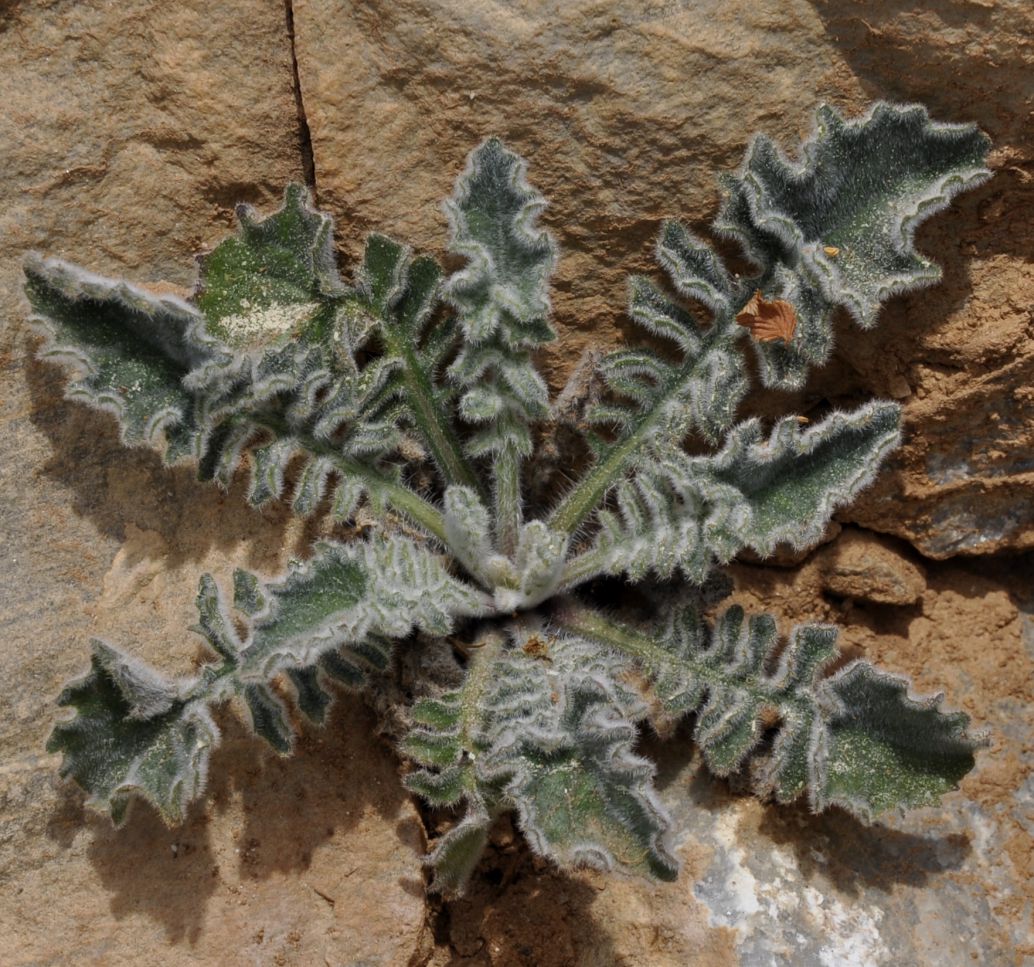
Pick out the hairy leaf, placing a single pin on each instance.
(502, 303)
(290, 389)
(544, 726)
(501, 297)
(348, 593)
(658, 403)
(133, 348)
(845, 216)
(885, 749)
(492, 214)
(856, 739)
(273, 277)
(136, 733)
(689, 513)
(837, 227)
(402, 293)
(456, 854)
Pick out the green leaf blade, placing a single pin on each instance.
(504, 290)
(847, 213)
(457, 853)
(502, 304)
(547, 728)
(134, 735)
(135, 347)
(348, 594)
(857, 740)
(269, 717)
(403, 293)
(585, 814)
(269, 280)
(793, 482)
(885, 749)
(693, 512)
(312, 698)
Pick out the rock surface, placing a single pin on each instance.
(627, 112)
(129, 132)
(865, 567)
(128, 136)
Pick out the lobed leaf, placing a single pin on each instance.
(845, 215)
(657, 403)
(135, 733)
(793, 481)
(857, 739)
(350, 593)
(402, 293)
(884, 749)
(492, 214)
(543, 726)
(689, 513)
(837, 228)
(501, 297)
(266, 367)
(273, 277)
(132, 348)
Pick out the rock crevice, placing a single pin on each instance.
(304, 135)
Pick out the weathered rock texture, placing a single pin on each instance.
(626, 111)
(128, 133)
(864, 567)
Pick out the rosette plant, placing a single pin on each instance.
(413, 397)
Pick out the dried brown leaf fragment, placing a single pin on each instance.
(768, 319)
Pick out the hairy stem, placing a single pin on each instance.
(582, 568)
(480, 667)
(479, 676)
(586, 496)
(435, 427)
(508, 516)
(580, 502)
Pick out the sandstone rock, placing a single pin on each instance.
(128, 134)
(127, 137)
(864, 567)
(627, 111)
(304, 861)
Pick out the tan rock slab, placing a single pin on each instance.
(310, 860)
(866, 567)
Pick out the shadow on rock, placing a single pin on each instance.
(261, 816)
(167, 874)
(291, 806)
(906, 52)
(114, 486)
(854, 855)
(516, 912)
